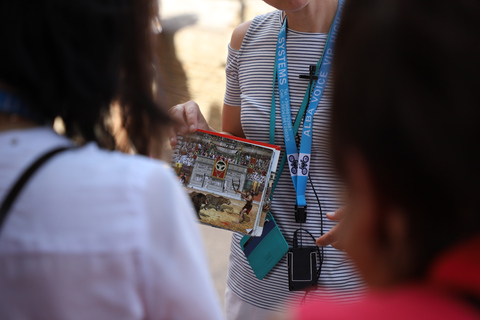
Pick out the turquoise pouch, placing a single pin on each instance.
(264, 252)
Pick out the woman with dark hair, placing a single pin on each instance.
(405, 136)
(89, 233)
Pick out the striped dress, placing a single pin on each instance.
(249, 85)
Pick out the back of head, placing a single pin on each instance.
(407, 98)
(73, 58)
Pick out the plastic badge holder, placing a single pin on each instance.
(264, 252)
(302, 268)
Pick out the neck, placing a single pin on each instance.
(11, 121)
(15, 122)
(316, 17)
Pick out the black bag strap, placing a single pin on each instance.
(20, 183)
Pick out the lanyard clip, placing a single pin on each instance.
(300, 214)
(311, 76)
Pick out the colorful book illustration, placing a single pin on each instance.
(228, 179)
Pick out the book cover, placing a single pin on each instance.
(228, 179)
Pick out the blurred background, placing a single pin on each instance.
(193, 50)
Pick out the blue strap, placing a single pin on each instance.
(296, 125)
(299, 162)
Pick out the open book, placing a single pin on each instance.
(228, 179)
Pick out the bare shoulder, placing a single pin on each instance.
(238, 35)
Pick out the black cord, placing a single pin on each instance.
(321, 221)
(319, 270)
(320, 252)
(310, 86)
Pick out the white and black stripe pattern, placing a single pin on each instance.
(249, 84)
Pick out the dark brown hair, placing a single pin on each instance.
(407, 98)
(74, 58)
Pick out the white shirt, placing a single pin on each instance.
(98, 235)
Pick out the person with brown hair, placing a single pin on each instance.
(405, 136)
(88, 233)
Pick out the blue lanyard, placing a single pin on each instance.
(299, 162)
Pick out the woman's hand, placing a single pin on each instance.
(335, 236)
(187, 118)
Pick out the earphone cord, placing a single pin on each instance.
(320, 251)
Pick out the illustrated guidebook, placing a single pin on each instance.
(229, 179)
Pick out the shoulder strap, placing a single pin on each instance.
(20, 183)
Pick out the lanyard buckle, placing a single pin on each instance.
(300, 214)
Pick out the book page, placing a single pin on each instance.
(226, 178)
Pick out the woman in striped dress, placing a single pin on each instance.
(246, 113)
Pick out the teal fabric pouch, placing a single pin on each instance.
(264, 252)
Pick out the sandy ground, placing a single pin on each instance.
(202, 31)
(198, 32)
